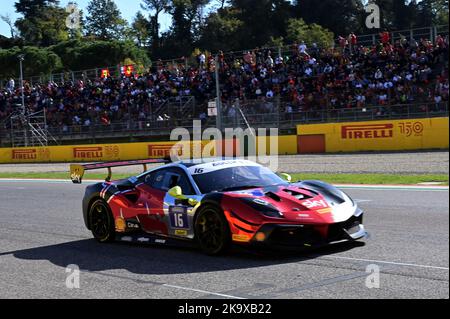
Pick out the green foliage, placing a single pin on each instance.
(31, 7)
(80, 55)
(227, 25)
(104, 20)
(275, 42)
(221, 31)
(44, 27)
(340, 16)
(298, 30)
(140, 29)
(37, 62)
(440, 11)
(187, 23)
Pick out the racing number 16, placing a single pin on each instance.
(178, 217)
(178, 220)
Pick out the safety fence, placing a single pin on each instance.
(254, 114)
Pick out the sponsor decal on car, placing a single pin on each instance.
(325, 210)
(215, 166)
(180, 232)
(311, 204)
(240, 238)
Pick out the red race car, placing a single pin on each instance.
(214, 204)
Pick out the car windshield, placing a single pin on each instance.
(235, 178)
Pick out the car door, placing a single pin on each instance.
(156, 213)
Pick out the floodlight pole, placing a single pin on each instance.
(219, 122)
(21, 58)
(24, 111)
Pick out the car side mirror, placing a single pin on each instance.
(286, 177)
(177, 192)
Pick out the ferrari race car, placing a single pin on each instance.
(214, 204)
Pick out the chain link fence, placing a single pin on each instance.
(275, 115)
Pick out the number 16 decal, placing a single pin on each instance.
(178, 217)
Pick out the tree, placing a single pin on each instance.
(32, 7)
(43, 22)
(81, 55)
(141, 29)
(432, 12)
(440, 8)
(37, 61)
(262, 21)
(340, 16)
(257, 27)
(156, 7)
(298, 30)
(104, 20)
(7, 19)
(402, 14)
(187, 22)
(221, 31)
(222, 3)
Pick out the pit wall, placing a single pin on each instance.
(389, 135)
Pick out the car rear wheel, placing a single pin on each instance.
(212, 231)
(102, 222)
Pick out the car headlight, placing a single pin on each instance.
(263, 207)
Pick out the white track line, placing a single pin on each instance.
(386, 262)
(202, 291)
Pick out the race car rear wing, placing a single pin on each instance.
(77, 171)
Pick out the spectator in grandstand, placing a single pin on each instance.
(307, 79)
(11, 85)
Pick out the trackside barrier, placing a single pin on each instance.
(388, 135)
(130, 151)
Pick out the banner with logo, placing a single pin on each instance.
(128, 151)
(388, 135)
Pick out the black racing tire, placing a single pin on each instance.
(101, 222)
(212, 231)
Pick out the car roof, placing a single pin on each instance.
(217, 160)
(201, 162)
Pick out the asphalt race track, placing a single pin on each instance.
(41, 232)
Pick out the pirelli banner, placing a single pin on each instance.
(87, 153)
(119, 152)
(389, 135)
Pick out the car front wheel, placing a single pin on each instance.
(212, 231)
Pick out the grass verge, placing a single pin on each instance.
(382, 179)
(378, 179)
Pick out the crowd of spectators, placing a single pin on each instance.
(346, 77)
(301, 79)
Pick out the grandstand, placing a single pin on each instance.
(405, 77)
